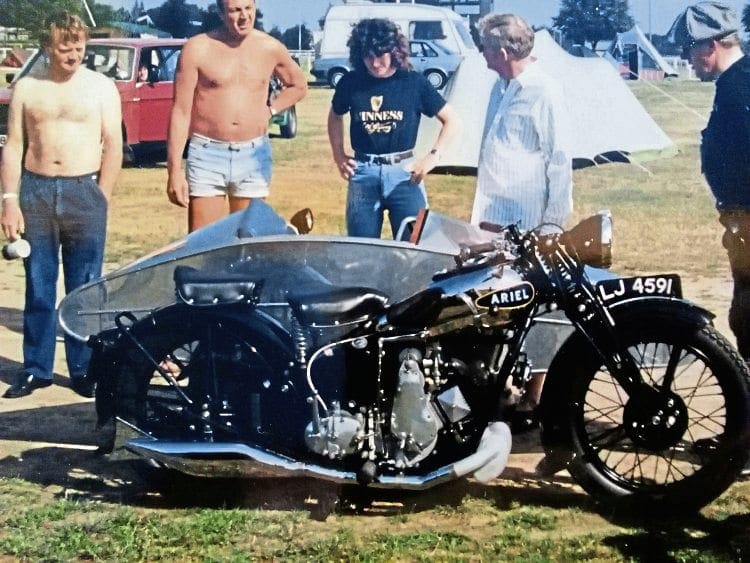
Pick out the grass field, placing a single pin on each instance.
(664, 221)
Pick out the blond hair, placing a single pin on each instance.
(63, 27)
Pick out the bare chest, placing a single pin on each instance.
(246, 68)
(61, 103)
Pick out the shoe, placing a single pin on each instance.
(83, 385)
(522, 421)
(24, 385)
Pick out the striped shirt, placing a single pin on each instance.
(525, 175)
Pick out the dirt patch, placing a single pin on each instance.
(50, 438)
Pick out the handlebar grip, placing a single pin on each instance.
(468, 251)
(491, 227)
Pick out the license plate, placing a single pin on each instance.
(619, 289)
(3, 139)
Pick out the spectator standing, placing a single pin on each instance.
(385, 101)
(59, 168)
(708, 33)
(221, 101)
(525, 174)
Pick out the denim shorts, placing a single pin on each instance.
(239, 169)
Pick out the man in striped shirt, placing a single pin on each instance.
(524, 175)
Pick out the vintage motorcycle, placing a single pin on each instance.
(244, 350)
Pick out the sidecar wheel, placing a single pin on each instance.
(676, 446)
(229, 383)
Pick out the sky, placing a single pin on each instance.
(653, 16)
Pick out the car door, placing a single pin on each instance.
(155, 95)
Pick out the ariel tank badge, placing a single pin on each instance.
(513, 297)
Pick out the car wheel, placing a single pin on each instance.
(289, 129)
(335, 75)
(436, 78)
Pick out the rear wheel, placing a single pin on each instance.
(227, 383)
(680, 440)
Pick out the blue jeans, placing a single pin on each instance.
(60, 213)
(376, 187)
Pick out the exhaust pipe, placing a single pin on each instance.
(225, 459)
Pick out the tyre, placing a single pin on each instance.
(679, 442)
(289, 129)
(436, 78)
(207, 379)
(334, 76)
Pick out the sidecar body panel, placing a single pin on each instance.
(242, 244)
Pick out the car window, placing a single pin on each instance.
(167, 63)
(416, 49)
(114, 61)
(429, 51)
(426, 30)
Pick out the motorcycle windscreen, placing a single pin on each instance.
(278, 263)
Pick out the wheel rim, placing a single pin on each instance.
(227, 380)
(660, 436)
(435, 78)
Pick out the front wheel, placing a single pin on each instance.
(680, 440)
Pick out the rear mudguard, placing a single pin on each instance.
(111, 347)
(558, 375)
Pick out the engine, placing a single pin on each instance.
(398, 421)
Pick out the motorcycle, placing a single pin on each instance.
(248, 350)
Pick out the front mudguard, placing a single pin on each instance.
(112, 348)
(557, 380)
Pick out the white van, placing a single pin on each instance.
(419, 22)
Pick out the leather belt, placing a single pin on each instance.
(391, 158)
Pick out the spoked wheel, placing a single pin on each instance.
(680, 440)
(205, 379)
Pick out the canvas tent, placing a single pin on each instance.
(641, 58)
(611, 125)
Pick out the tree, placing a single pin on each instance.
(746, 18)
(174, 17)
(592, 21)
(275, 33)
(297, 38)
(31, 15)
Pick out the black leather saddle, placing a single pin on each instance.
(330, 305)
(200, 288)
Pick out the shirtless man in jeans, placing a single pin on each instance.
(56, 196)
(220, 100)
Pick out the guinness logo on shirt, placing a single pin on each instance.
(377, 121)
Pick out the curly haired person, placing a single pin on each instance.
(385, 101)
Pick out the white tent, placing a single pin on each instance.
(634, 45)
(610, 123)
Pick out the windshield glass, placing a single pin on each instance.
(280, 263)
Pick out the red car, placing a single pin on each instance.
(146, 99)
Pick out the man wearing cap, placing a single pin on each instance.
(708, 33)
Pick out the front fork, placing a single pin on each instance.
(591, 318)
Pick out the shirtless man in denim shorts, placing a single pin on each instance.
(220, 100)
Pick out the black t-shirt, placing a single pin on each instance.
(725, 148)
(385, 112)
